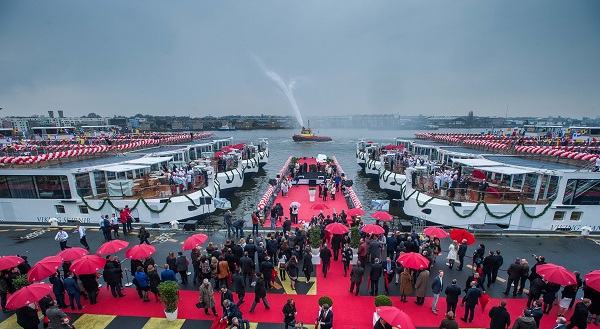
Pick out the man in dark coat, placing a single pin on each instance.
(90, 285)
(58, 288)
(471, 300)
(514, 275)
(487, 268)
(389, 273)
(112, 276)
(452, 292)
(462, 251)
(266, 268)
(325, 319)
(391, 245)
(579, 317)
(247, 265)
(374, 276)
(336, 245)
(325, 256)
(497, 264)
(226, 295)
(27, 317)
(260, 292)
(356, 277)
(536, 289)
(73, 291)
(540, 260)
(239, 285)
(250, 248)
(500, 318)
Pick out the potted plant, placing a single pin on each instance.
(325, 300)
(21, 281)
(354, 243)
(381, 300)
(169, 295)
(444, 189)
(312, 191)
(314, 240)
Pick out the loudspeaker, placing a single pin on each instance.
(272, 182)
(312, 182)
(348, 183)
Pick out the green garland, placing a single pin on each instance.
(143, 201)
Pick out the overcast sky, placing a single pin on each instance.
(347, 57)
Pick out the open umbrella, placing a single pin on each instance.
(88, 264)
(194, 241)
(320, 206)
(337, 228)
(435, 232)
(556, 274)
(395, 317)
(72, 253)
(140, 251)
(483, 301)
(592, 280)
(373, 229)
(7, 262)
(479, 174)
(355, 212)
(413, 260)
(459, 234)
(44, 268)
(382, 215)
(112, 247)
(28, 294)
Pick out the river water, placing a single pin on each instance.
(281, 147)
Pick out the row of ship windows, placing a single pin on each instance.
(560, 215)
(60, 209)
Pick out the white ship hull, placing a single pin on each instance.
(391, 182)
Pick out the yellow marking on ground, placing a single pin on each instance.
(52, 228)
(161, 323)
(180, 242)
(253, 325)
(287, 287)
(93, 321)
(10, 323)
(313, 289)
(20, 229)
(309, 326)
(172, 240)
(500, 279)
(4, 230)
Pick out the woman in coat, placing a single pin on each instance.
(154, 279)
(292, 271)
(172, 261)
(452, 254)
(207, 297)
(307, 265)
(421, 286)
(405, 284)
(144, 282)
(223, 272)
(289, 313)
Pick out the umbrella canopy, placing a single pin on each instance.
(337, 228)
(72, 253)
(44, 268)
(373, 229)
(592, 280)
(295, 203)
(28, 294)
(112, 247)
(459, 234)
(483, 301)
(355, 212)
(194, 241)
(140, 251)
(479, 174)
(88, 264)
(413, 260)
(382, 215)
(7, 262)
(320, 206)
(395, 317)
(556, 274)
(435, 232)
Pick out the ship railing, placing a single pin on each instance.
(155, 191)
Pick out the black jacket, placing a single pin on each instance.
(452, 292)
(259, 289)
(289, 313)
(227, 295)
(325, 255)
(500, 318)
(376, 271)
(27, 317)
(580, 314)
(238, 284)
(514, 271)
(462, 249)
(247, 264)
(537, 287)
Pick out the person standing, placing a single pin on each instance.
(143, 235)
(346, 257)
(58, 288)
(406, 286)
(27, 317)
(90, 285)
(123, 221)
(537, 312)
(499, 317)
(452, 254)
(182, 267)
(580, 315)
(462, 251)
(336, 245)
(55, 315)
(307, 265)
(499, 261)
(238, 285)
(525, 321)
(260, 292)
(389, 273)
(62, 237)
(568, 293)
(356, 277)
(228, 219)
(292, 269)
(247, 265)
(255, 221)
(325, 256)
(73, 291)
(452, 292)
(207, 299)
(448, 322)
(514, 276)
(289, 313)
(535, 290)
(487, 267)
(82, 236)
(325, 319)
(226, 295)
(112, 276)
(436, 287)
(471, 300)
(421, 286)
(524, 275)
(375, 274)
(114, 224)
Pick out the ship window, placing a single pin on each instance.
(49, 187)
(21, 187)
(65, 186)
(4, 191)
(84, 185)
(559, 215)
(83, 210)
(60, 209)
(576, 215)
(582, 192)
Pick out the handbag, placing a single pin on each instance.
(201, 305)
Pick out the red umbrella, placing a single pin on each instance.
(435, 232)
(218, 324)
(194, 241)
(413, 260)
(72, 253)
(28, 294)
(88, 264)
(592, 280)
(320, 206)
(556, 274)
(112, 247)
(7, 262)
(337, 228)
(373, 229)
(483, 301)
(395, 317)
(478, 174)
(459, 234)
(355, 212)
(382, 215)
(44, 268)
(140, 251)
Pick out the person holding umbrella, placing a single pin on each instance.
(462, 251)
(27, 317)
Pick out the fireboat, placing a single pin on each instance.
(306, 135)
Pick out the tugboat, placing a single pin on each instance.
(306, 135)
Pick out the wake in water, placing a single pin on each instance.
(287, 89)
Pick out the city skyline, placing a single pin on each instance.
(511, 58)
